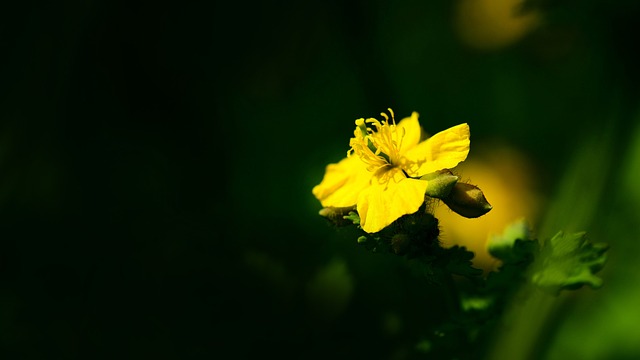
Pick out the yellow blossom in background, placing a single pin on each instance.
(493, 24)
(506, 177)
(380, 175)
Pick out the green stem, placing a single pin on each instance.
(517, 336)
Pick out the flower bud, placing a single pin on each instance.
(336, 215)
(467, 200)
(440, 183)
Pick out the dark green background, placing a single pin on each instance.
(147, 147)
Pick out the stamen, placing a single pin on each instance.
(362, 126)
(378, 144)
(401, 136)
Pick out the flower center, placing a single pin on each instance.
(378, 147)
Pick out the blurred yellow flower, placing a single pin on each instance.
(506, 177)
(380, 175)
(493, 24)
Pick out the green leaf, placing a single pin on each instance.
(458, 261)
(514, 244)
(569, 262)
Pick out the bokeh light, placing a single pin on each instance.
(507, 178)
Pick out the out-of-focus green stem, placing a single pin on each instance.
(520, 333)
(521, 326)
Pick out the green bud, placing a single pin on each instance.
(336, 215)
(440, 183)
(467, 200)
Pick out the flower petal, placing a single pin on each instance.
(411, 129)
(382, 203)
(443, 150)
(342, 183)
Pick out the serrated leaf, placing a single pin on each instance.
(458, 261)
(569, 261)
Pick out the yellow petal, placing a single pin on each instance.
(381, 204)
(443, 150)
(411, 129)
(342, 183)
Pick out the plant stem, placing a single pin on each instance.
(522, 325)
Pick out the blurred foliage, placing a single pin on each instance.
(156, 162)
(569, 262)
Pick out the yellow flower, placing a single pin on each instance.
(381, 174)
